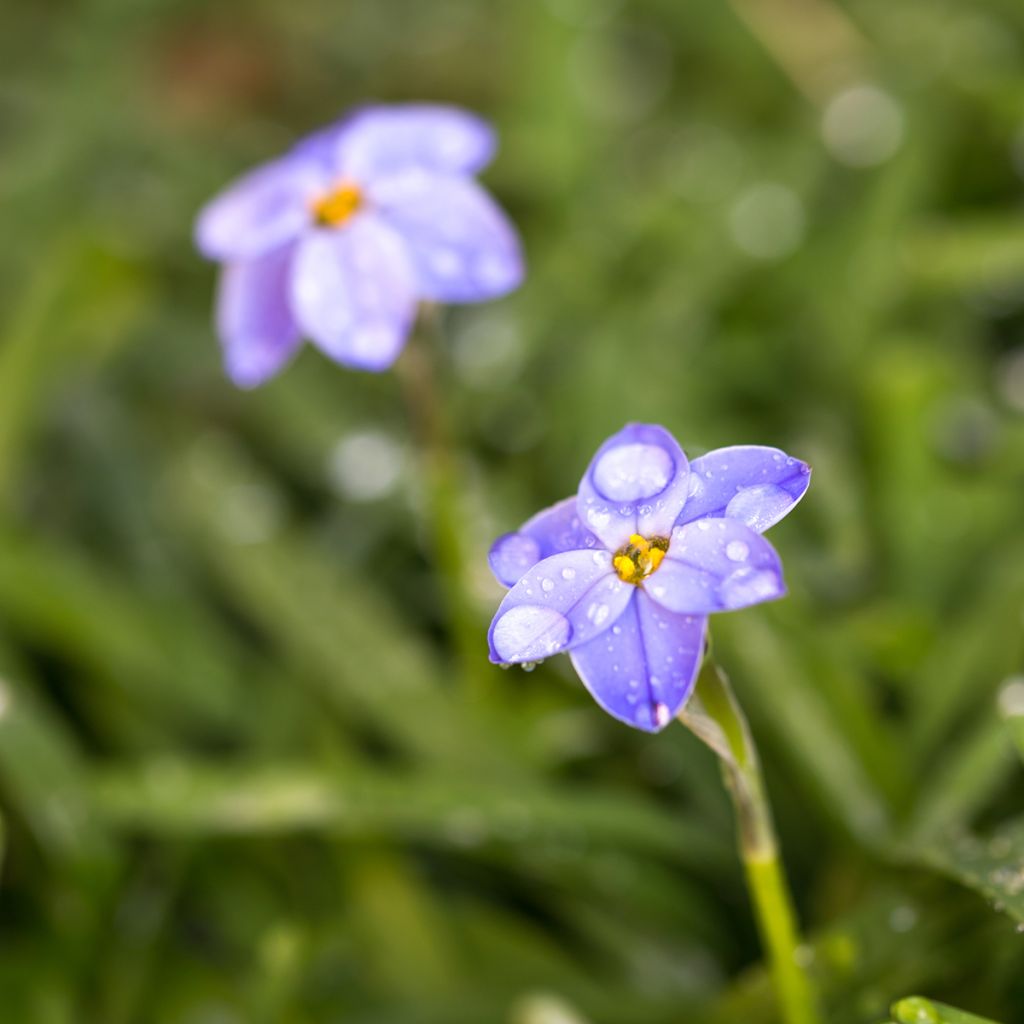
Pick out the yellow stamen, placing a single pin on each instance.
(335, 208)
(637, 559)
(624, 566)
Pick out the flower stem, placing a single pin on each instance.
(715, 717)
(443, 498)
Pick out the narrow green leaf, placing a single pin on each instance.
(993, 867)
(41, 771)
(176, 798)
(970, 772)
(966, 253)
(918, 1010)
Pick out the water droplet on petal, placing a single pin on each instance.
(632, 471)
(529, 633)
(736, 550)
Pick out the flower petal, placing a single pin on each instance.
(380, 140)
(751, 483)
(354, 292)
(464, 247)
(253, 317)
(716, 565)
(554, 530)
(636, 483)
(643, 669)
(260, 211)
(563, 601)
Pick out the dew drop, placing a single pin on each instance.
(736, 550)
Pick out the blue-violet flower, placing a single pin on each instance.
(624, 575)
(339, 239)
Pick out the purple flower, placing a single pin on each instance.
(624, 575)
(339, 239)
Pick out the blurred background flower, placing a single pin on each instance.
(238, 779)
(342, 237)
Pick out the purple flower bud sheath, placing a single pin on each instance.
(624, 575)
(340, 239)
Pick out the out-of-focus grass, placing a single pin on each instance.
(239, 779)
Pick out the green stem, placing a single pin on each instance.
(440, 472)
(715, 717)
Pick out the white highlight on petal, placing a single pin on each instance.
(736, 551)
(759, 506)
(749, 586)
(633, 471)
(530, 632)
(862, 126)
(767, 221)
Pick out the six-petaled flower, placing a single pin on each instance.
(341, 238)
(624, 575)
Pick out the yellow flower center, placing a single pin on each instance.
(336, 207)
(635, 561)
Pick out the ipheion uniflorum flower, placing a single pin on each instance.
(624, 575)
(341, 238)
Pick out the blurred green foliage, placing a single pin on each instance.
(240, 777)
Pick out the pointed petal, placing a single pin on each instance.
(562, 601)
(354, 293)
(716, 565)
(643, 669)
(754, 484)
(260, 211)
(254, 321)
(549, 532)
(464, 247)
(380, 140)
(636, 483)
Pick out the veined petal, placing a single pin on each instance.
(260, 211)
(643, 669)
(636, 483)
(562, 602)
(554, 530)
(380, 140)
(254, 320)
(462, 244)
(716, 565)
(754, 484)
(354, 292)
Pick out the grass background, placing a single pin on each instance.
(240, 778)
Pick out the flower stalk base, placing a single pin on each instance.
(442, 493)
(715, 717)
